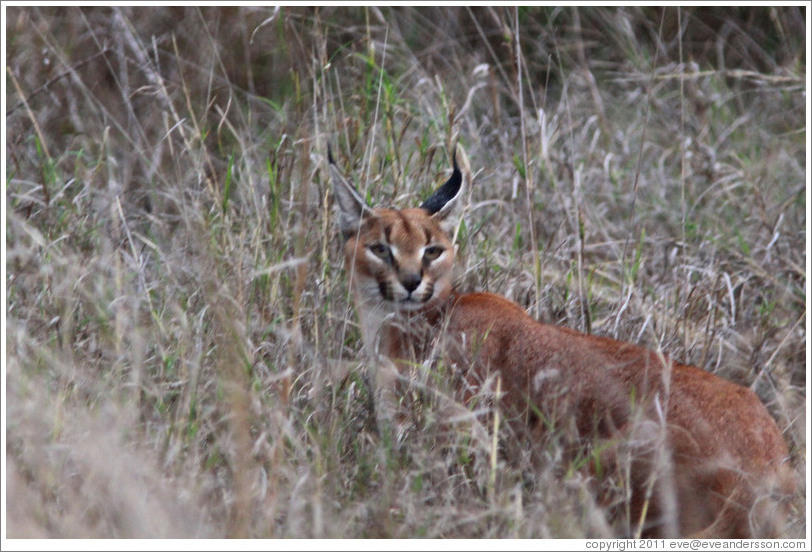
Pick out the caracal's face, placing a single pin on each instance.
(400, 260)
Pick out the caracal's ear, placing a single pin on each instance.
(446, 203)
(350, 206)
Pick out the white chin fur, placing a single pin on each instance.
(409, 305)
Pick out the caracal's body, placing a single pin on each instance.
(706, 457)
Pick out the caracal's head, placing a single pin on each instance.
(400, 259)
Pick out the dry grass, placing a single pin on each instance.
(182, 358)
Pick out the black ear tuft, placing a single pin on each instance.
(446, 192)
(330, 154)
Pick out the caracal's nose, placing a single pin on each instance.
(410, 282)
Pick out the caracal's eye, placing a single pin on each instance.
(432, 252)
(379, 250)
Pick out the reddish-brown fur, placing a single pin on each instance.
(725, 447)
(705, 456)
